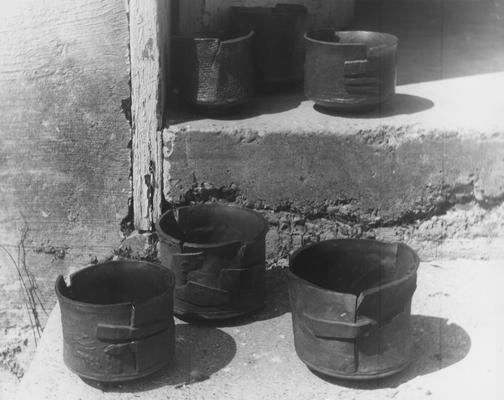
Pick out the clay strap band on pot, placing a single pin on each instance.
(209, 296)
(385, 302)
(203, 295)
(109, 333)
(360, 77)
(326, 329)
(376, 307)
(145, 352)
(187, 262)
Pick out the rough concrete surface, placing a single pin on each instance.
(464, 231)
(438, 142)
(458, 351)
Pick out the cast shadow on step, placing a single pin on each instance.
(437, 344)
(399, 104)
(200, 352)
(203, 349)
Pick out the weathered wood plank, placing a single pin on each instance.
(148, 47)
(64, 156)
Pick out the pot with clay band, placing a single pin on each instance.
(214, 71)
(117, 320)
(278, 42)
(217, 253)
(351, 307)
(350, 71)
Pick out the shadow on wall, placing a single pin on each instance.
(437, 345)
(201, 352)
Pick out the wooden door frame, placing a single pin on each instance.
(149, 22)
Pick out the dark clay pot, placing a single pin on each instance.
(350, 71)
(278, 42)
(117, 320)
(214, 71)
(217, 253)
(351, 307)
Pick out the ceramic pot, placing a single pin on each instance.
(351, 307)
(217, 253)
(350, 71)
(214, 71)
(117, 320)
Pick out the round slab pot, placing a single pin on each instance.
(351, 307)
(214, 71)
(117, 320)
(278, 42)
(217, 253)
(350, 71)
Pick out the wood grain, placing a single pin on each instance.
(148, 35)
(64, 156)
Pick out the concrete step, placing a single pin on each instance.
(458, 351)
(438, 143)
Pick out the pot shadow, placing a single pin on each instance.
(199, 352)
(399, 104)
(437, 344)
(276, 303)
(262, 103)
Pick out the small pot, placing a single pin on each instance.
(117, 320)
(351, 307)
(350, 70)
(217, 253)
(278, 43)
(214, 71)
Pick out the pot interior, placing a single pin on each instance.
(370, 39)
(352, 266)
(285, 9)
(212, 224)
(222, 36)
(117, 282)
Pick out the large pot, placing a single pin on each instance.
(117, 320)
(217, 253)
(214, 71)
(351, 306)
(350, 70)
(278, 42)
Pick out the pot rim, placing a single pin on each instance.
(212, 37)
(67, 300)
(163, 236)
(279, 8)
(372, 289)
(394, 40)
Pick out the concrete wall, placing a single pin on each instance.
(196, 15)
(64, 156)
(428, 157)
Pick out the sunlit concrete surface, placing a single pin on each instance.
(456, 322)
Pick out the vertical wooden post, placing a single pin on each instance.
(149, 35)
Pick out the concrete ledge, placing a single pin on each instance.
(456, 322)
(438, 142)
